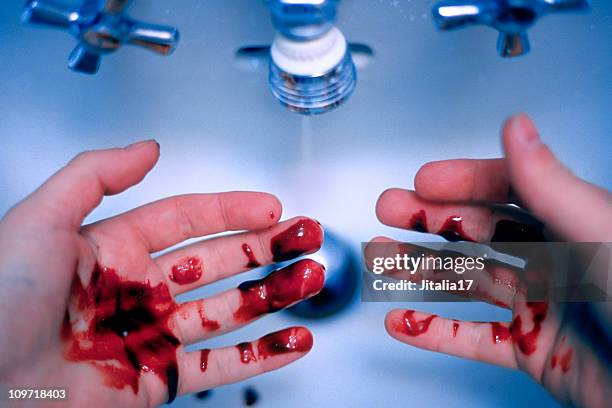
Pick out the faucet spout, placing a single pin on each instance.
(311, 68)
(511, 18)
(304, 19)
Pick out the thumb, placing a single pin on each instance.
(571, 207)
(75, 190)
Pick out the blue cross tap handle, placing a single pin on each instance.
(511, 18)
(101, 27)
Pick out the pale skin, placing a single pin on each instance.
(572, 359)
(43, 245)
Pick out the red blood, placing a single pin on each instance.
(566, 361)
(294, 339)
(204, 359)
(187, 271)
(527, 341)
(539, 311)
(280, 289)
(128, 330)
(411, 326)
(271, 214)
(208, 324)
(500, 303)
(512, 231)
(455, 328)
(487, 297)
(246, 352)
(303, 237)
(418, 222)
(252, 263)
(452, 230)
(499, 332)
(554, 358)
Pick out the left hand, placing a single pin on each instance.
(91, 309)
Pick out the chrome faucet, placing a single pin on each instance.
(311, 69)
(102, 27)
(303, 20)
(511, 18)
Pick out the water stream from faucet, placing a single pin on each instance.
(305, 174)
(306, 144)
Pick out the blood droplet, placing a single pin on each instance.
(252, 261)
(246, 352)
(410, 326)
(526, 341)
(303, 237)
(187, 271)
(499, 332)
(280, 289)
(452, 230)
(294, 339)
(204, 359)
(208, 324)
(566, 361)
(455, 328)
(418, 222)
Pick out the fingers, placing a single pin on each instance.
(484, 181)
(229, 310)
(218, 258)
(487, 342)
(456, 222)
(207, 368)
(74, 191)
(163, 223)
(550, 190)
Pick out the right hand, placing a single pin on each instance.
(564, 346)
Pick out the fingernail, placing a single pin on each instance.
(141, 143)
(524, 131)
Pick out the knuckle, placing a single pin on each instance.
(223, 211)
(183, 220)
(83, 157)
